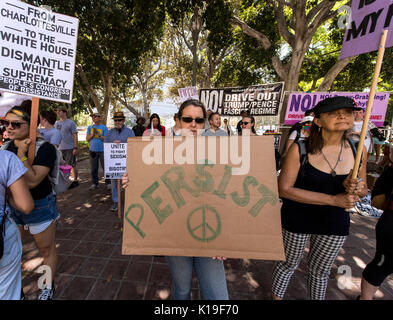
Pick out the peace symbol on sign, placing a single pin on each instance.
(204, 223)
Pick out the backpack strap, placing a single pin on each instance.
(302, 153)
(298, 130)
(354, 146)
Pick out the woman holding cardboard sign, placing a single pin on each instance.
(210, 271)
(316, 188)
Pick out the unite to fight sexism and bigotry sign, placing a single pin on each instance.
(115, 160)
(37, 51)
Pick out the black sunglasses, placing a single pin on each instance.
(245, 122)
(14, 124)
(118, 120)
(190, 119)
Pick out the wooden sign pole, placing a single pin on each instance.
(33, 129)
(118, 199)
(370, 102)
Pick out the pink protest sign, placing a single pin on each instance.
(188, 93)
(300, 102)
(368, 20)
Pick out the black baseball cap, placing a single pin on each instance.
(334, 103)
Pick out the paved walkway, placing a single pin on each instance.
(91, 266)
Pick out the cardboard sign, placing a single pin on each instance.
(37, 51)
(300, 102)
(368, 19)
(277, 139)
(203, 196)
(188, 93)
(115, 160)
(261, 100)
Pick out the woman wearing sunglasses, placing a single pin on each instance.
(41, 222)
(210, 271)
(248, 125)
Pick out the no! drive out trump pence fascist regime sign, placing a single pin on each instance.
(37, 51)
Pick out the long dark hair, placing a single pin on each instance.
(155, 115)
(252, 121)
(314, 142)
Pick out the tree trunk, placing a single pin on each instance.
(130, 107)
(107, 97)
(146, 105)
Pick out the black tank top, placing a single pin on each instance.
(316, 219)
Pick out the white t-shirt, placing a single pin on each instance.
(354, 134)
(293, 135)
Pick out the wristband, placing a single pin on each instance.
(23, 159)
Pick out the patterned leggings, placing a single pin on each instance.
(323, 251)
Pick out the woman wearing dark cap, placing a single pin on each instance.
(154, 128)
(316, 188)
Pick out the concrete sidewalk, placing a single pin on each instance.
(91, 266)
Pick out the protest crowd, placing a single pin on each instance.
(331, 161)
(325, 138)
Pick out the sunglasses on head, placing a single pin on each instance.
(190, 119)
(14, 124)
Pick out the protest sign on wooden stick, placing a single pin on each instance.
(373, 88)
(33, 128)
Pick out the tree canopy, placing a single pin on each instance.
(128, 51)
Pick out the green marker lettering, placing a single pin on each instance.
(135, 226)
(204, 223)
(268, 197)
(204, 185)
(224, 183)
(174, 186)
(154, 204)
(243, 201)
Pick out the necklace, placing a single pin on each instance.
(333, 172)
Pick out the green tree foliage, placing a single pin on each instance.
(249, 63)
(113, 36)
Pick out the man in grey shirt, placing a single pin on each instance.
(49, 132)
(215, 123)
(69, 141)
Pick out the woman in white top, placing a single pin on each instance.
(306, 123)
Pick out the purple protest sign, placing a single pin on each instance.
(368, 20)
(300, 102)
